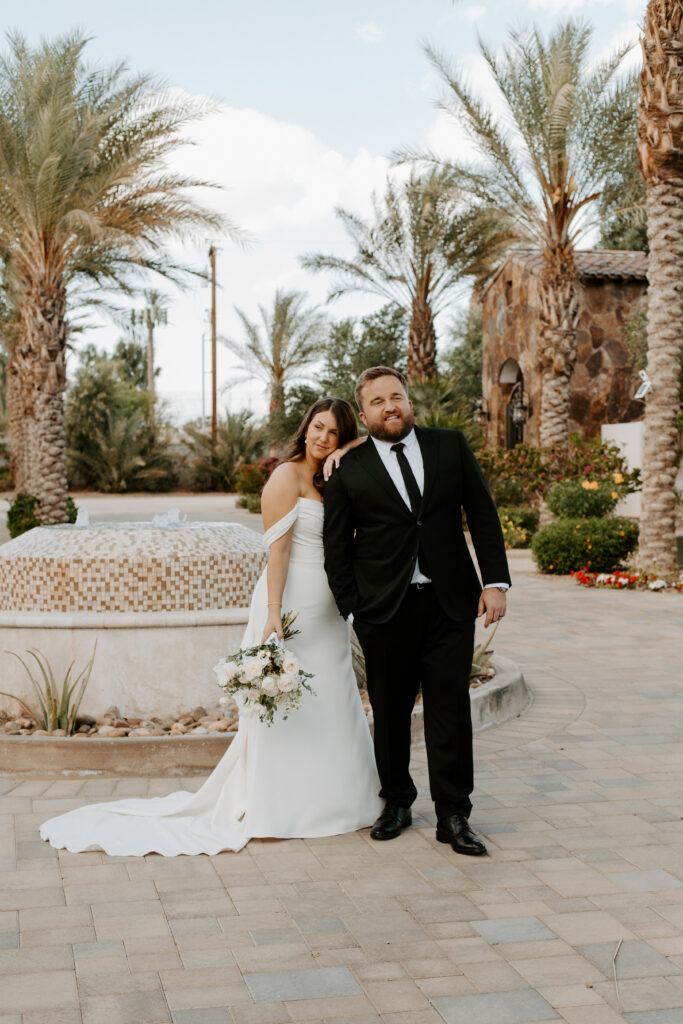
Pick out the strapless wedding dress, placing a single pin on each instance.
(311, 775)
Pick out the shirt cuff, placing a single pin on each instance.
(501, 586)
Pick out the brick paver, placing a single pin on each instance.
(580, 801)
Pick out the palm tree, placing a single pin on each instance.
(289, 339)
(543, 163)
(418, 249)
(154, 314)
(660, 147)
(85, 197)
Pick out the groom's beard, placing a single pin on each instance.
(393, 430)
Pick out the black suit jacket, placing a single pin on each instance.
(371, 537)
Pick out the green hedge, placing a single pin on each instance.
(599, 544)
(572, 500)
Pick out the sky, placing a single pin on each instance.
(310, 98)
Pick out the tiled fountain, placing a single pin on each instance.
(164, 600)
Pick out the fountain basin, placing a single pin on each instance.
(164, 603)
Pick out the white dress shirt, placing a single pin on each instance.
(413, 454)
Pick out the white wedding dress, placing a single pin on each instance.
(311, 775)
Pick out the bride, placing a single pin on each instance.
(311, 775)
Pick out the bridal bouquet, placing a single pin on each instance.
(266, 678)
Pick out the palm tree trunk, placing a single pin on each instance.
(150, 369)
(559, 310)
(421, 342)
(43, 374)
(665, 322)
(15, 417)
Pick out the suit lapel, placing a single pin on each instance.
(427, 443)
(369, 458)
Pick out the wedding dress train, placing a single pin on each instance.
(311, 775)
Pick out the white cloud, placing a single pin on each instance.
(474, 13)
(369, 32)
(281, 185)
(627, 35)
(624, 7)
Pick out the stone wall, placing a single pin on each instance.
(602, 385)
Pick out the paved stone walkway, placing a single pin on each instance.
(581, 802)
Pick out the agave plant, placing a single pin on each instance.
(57, 705)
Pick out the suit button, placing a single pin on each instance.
(419, 522)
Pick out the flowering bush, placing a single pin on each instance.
(520, 475)
(518, 524)
(267, 677)
(577, 499)
(251, 477)
(637, 580)
(598, 544)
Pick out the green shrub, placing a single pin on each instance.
(599, 544)
(6, 481)
(572, 499)
(22, 514)
(253, 502)
(518, 523)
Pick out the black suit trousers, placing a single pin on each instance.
(421, 647)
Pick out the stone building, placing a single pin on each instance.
(613, 283)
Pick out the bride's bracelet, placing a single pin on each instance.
(274, 604)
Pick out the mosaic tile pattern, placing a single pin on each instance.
(131, 567)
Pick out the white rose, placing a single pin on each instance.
(252, 668)
(286, 683)
(290, 666)
(225, 671)
(269, 685)
(252, 693)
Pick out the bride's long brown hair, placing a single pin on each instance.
(347, 427)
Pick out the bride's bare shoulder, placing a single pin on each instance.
(281, 493)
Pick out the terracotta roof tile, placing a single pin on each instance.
(613, 263)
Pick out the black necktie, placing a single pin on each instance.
(414, 496)
(409, 480)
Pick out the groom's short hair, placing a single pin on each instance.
(372, 373)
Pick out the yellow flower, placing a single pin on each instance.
(590, 547)
(618, 478)
(621, 533)
(615, 495)
(586, 484)
(551, 566)
(594, 485)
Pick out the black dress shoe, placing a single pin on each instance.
(457, 832)
(391, 822)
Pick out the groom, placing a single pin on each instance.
(396, 558)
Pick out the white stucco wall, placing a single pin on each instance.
(629, 438)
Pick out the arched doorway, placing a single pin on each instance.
(512, 380)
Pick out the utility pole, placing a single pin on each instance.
(214, 411)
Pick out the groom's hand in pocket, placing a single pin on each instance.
(492, 601)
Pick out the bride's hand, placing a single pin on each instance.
(332, 462)
(273, 625)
